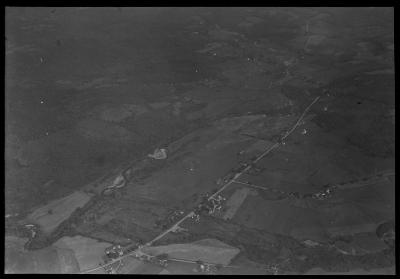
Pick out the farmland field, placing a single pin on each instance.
(282, 117)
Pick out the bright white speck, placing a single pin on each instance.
(304, 132)
(47, 133)
(325, 108)
(42, 102)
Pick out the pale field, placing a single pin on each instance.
(208, 250)
(88, 252)
(234, 202)
(53, 214)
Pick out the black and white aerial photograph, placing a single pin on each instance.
(199, 140)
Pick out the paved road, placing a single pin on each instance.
(253, 185)
(237, 175)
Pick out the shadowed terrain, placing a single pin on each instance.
(90, 92)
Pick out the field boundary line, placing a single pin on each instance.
(237, 175)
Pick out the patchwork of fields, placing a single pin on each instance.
(90, 92)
